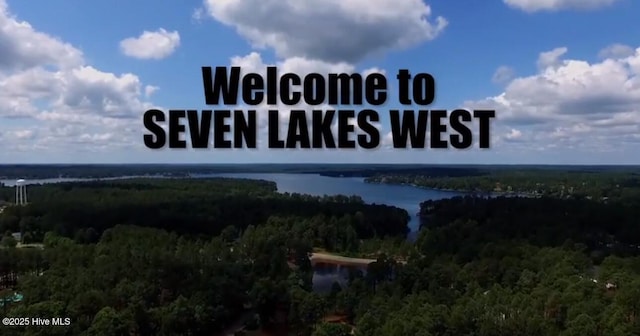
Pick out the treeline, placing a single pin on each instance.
(95, 171)
(186, 206)
(374, 170)
(599, 185)
(462, 224)
(118, 170)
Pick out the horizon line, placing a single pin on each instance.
(322, 164)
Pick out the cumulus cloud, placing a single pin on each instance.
(323, 37)
(616, 50)
(20, 134)
(555, 5)
(23, 47)
(513, 134)
(503, 74)
(550, 58)
(571, 104)
(149, 90)
(46, 83)
(157, 44)
(329, 30)
(373, 70)
(83, 90)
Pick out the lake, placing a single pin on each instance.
(401, 196)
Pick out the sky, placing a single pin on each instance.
(563, 76)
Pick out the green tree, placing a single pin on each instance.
(8, 241)
(332, 329)
(108, 322)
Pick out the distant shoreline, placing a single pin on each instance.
(462, 191)
(42, 171)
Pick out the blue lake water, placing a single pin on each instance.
(401, 196)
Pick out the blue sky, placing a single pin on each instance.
(76, 76)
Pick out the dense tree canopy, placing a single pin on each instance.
(558, 183)
(188, 206)
(463, 224)
(196, 257)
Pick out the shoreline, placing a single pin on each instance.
(463, 191)
(62, 179)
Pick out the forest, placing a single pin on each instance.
(192, 207)
(595, 183)
(219, 256)
(42, 171)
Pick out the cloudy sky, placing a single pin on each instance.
(563, 75)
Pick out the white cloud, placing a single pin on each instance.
(150, 90)
(571, 104)
(550, 58)
(20, 134)
(513, 134)
(298, 65)
(387, 140)
(23, 47)
(616, 50)
(70, 106)
(329, 30)
(373, 70)
(157, 44)
(555, 5)
(503, 74)
(82, 90)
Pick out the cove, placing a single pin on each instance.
(402, 196)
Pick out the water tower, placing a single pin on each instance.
(21, 192)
